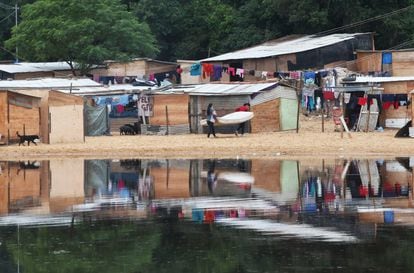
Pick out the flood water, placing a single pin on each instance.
(233, 215)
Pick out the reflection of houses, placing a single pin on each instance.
(276, 179)
(41, 186)
(171, 179)
(21, 185)
(66, 190)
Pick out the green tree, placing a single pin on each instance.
(82, 33)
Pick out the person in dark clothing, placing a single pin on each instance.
(211, 119)
(244, 108)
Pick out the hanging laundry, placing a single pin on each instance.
(387, 58)
(240, 72)
(207, 70)
(309, 77)
(217, 72)
(232, 71)
(257, 73)
(264, 74)
(195, 69)
(347, 97)
(362, 101)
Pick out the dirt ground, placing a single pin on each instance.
(309, 142)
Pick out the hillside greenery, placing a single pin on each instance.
(195, 29)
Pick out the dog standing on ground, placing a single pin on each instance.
(27, 138)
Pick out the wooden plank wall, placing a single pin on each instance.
(396, 88)
(403, 63)
(369, 61)
(3, 115)
(21, 117)
(177, 110)
(266, 117)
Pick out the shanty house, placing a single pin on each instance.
(398, 63)
(116, 72)
(291, 53)
(180, 110)
(24, 70)
(61, 118)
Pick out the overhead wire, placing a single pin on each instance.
(371, 19)
(5, 18)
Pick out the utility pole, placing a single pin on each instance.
(15, 21)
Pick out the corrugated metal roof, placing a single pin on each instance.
(48, 83)
(211, 89)
(278, 92)
(34, 67)
(359, 80)
(108, 90)
(275, 48)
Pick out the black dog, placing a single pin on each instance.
(28, 138)
(126, 130)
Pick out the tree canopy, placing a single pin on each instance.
(91, 31)
(81, 32)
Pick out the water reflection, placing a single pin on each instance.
(341, 201)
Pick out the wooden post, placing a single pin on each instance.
(323, 120)
(297, 116)
(166, 117)
(343, 112)
(369, 114)
(344, 126)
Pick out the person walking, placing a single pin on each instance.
(211, 119)
(244, 108)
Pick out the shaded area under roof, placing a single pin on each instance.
(278, 47)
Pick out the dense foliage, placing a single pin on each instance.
(195, 29)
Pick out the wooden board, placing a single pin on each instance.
(368, 119)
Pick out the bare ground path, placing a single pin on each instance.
(309, 142)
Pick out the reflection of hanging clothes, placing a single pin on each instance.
(197, 215)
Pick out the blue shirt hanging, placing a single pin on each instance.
(387, 58)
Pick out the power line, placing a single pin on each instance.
(5, 6)
(5, 18)
(375, 18)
